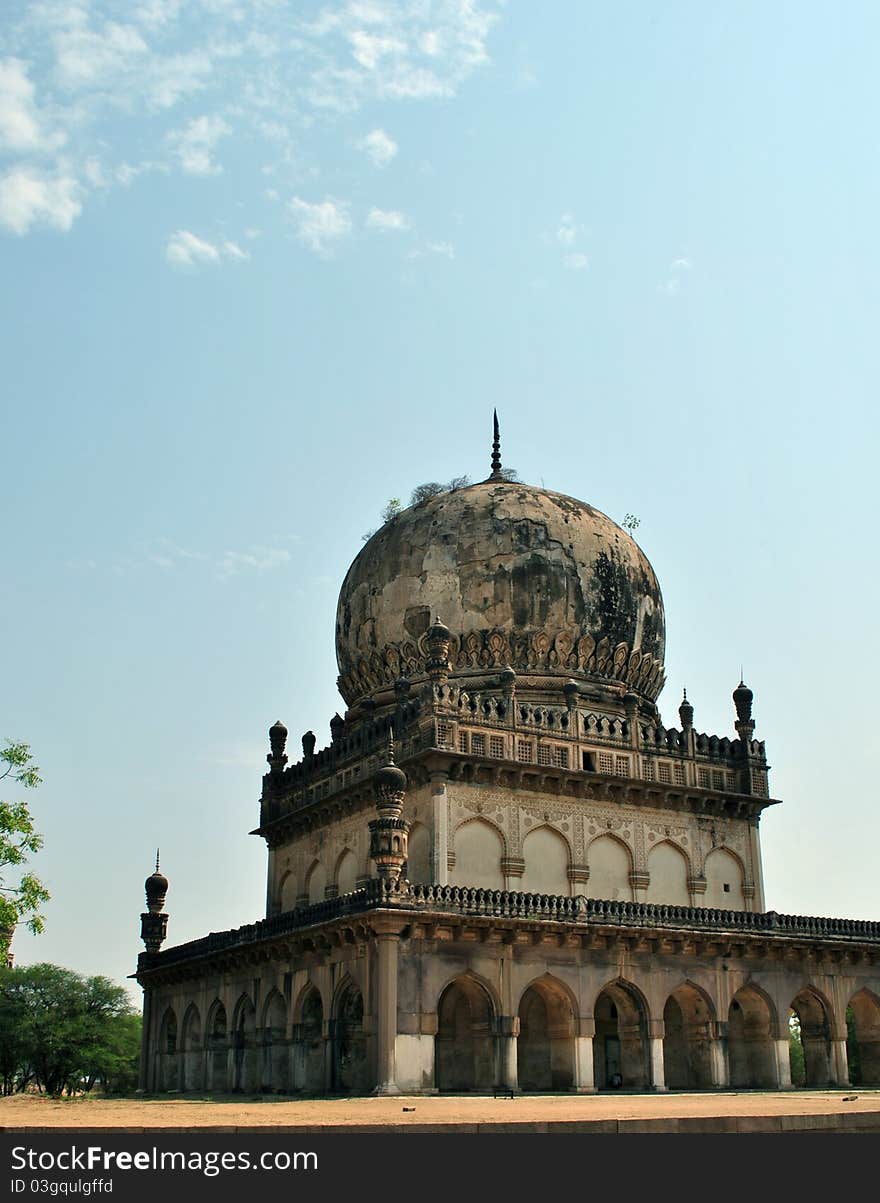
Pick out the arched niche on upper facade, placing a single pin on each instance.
(287, 892)
(669, 870)
(547, 861)
(610, 864)
(724, 881)
(479, 847)
(346, 873)
(316, 881)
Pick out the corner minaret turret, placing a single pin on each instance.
(154, 922)
(496, 448)
(389, 833)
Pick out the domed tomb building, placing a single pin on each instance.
(504, 871)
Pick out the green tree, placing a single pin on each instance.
(71, 1032)
(21, 899)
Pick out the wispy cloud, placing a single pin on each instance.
(671, 286)
(379, 147)
(564, 237)
(255, 559)
(445, 250)
(194, 144)
(387, 220)
(185, 249)
(168, 556)
(322, 224)
(567, 230)
(82, 79)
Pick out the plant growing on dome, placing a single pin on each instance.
(630, 522)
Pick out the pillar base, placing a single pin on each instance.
(387, 1088)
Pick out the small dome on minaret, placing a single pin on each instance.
(156, 887)
(686, 712)
(742, 699)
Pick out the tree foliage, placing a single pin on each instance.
(21, 893)
(64, 1033)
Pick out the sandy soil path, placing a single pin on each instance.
(23, 1112)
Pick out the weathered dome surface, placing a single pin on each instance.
(521, 576)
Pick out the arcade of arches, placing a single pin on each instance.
(517, 1029)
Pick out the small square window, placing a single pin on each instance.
(727, 887)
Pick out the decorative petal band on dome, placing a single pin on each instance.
(562, 651)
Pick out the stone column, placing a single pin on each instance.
(508, 1029)
(440, 825)
(783, 1064)
(656, 1031)
(757, 903)
(386, 1006)
(839, 1061)
(146, 1060)
(584, 1079)
(719, 1054)
(328, 1054)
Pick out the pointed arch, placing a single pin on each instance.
(464, 1047)
(275, 1048)
(725, 876)
(689, 1015)
(192, 1049)
(309, 1069)
(287, 892)
(752, 1023)
(169, 1068)
(610, 862)
(217, 1047)
(810, 1025)
(244, 1041)
(479, 847)
(345, 874)
(545, 1044)
(349, 1044)
(316, 882)
(547, 856)
(863, 1037)
(670, 868)
(620, 1046)
(302, 999)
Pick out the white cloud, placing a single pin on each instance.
(379, 146)
(90, 77)
(20, 123)
(566, 231)
(86, 57)
(258, 559)
(672, 285)
(445, 250)
(387, 220)
(29, 197)
(576, 261)
(322, 224)
(185, 249)
(194, 144)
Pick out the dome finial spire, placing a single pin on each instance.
(496, 448)
(157, 860)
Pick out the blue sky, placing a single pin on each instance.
(266, 265)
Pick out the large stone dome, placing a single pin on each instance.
(521, 576)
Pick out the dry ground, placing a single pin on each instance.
(22, 1112)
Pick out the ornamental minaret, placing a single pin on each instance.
(154, 922)
(389, 833)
